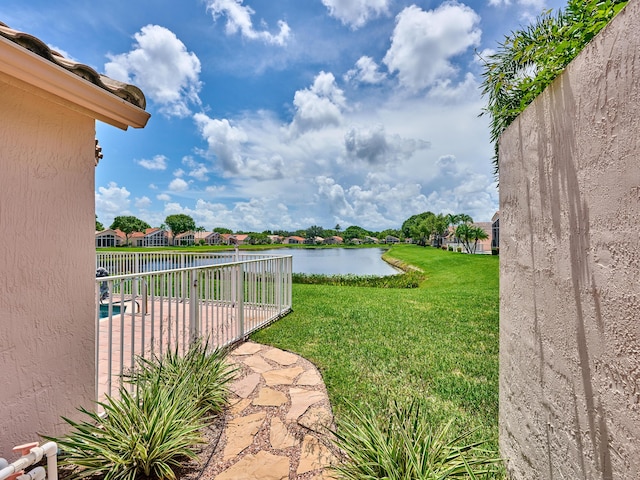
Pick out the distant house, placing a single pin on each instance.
(110, 238)
(190, 238)
(484, 246)
(391, 239)
(495, 230)
(369, 239)
(275, 238)
(155, 237)
(293, 240)
(355, 241)
(239, 239)
(334, 240)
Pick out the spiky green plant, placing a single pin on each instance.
(148, 435)
(530, 59)
(205, 374)
(402, 445)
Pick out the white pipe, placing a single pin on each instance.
(38, 473)
(50, 449)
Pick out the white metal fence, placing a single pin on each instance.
(163, 300)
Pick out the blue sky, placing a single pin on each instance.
(282, 114)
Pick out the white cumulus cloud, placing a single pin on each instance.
(161, 66)
(158, 162)
(366, 71)
(231, 146)
(375, 146)
(112, 201)
(356, 13)
(319, 105)
(334, 195)
(239, 20)
(178, 185)
(163, 197)
(424, 42)
(143, 202)
(196, 170)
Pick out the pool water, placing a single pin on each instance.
(104, 310)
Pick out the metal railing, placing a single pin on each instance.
(209, 296)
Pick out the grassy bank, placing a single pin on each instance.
(438, 341)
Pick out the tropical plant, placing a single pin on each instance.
(99, 226)
(150, 432)
(205, 375)
(146, 435)
(469, 235)
(402, 445)
(528, 60)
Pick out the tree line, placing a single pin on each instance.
(424, 229)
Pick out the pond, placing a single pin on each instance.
(337, 261)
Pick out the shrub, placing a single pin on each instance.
(410, 279)
(148, 435)
(459, 249)
(151, 432)
(450, 248)
(495, 251)
(205, 375)
(401, 445)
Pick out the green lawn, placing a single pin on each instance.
(438, 342)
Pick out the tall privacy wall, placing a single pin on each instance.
(570, 269)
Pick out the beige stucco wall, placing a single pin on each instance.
(570, 269)
(47, 274)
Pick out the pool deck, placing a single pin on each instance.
(165, 325)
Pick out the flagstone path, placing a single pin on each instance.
(276, 426)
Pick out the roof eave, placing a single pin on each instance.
(88, 98)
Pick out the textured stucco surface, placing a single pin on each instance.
(570, 269)
(47, 262)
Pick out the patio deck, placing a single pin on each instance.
(165, 325)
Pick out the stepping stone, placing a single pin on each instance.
(240, 432)
(257, 363)
(281, 357)
(261, 466)
(302, 399)
(247, 348)
(314, 455)
(309, 378)
(279, 435)
(245, 387)
(268, 397)
(317, 419)
(239, 406)
(285, 376)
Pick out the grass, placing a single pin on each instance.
(437, 343)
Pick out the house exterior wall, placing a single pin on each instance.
(570, 269)
(47, 284)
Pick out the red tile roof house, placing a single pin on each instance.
(293, 240)
(334, 240)
(48, 155)
(110, 238)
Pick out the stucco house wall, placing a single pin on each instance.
(570, 269)
(46, 289)
(47, 285)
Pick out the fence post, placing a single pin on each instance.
(279, 280)
(194, 309)
(240, 298)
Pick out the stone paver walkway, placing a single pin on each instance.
(276, 427)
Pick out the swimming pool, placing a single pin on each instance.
(104, 310)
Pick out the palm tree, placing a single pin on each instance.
(467, 233)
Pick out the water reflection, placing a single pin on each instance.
(337, 261)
